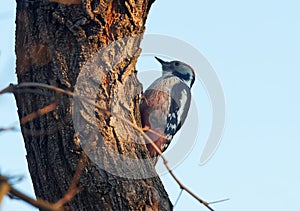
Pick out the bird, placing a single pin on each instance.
(165, 104)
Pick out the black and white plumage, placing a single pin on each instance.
(166, 102)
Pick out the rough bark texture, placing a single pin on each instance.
(90, 47)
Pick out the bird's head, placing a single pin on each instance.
(179, 69)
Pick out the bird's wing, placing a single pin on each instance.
(180, 103)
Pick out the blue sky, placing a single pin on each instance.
(254, 48)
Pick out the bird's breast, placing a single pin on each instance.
(157, 102)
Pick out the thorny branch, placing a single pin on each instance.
(71, 192)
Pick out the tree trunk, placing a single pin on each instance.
(89, 48)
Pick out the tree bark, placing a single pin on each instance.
(89, 48)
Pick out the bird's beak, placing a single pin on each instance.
(161, 61)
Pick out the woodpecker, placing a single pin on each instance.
(165, 104)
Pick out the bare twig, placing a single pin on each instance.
(181, 190)
(38, 113)
(73, 189)
(8, 89)
(139, 129)
(6, 188)
(8, 129)
(12, 88)
(219, 201)
(39, 203)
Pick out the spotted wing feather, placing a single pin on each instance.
(179, 107)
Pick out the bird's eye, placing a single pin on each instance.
(176, 64)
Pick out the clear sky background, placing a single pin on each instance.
(254, 47)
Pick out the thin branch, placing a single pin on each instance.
(181, 190)
(8, 129)
(38, 113)
(219, 201)
(73, 189)
(39, 203)
(8, 89)
(11, 88)
(4, 188)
